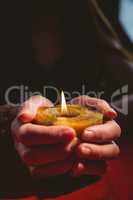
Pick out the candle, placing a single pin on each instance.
(64, 109)
(76, 116)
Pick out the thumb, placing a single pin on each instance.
(29, 108)
(99, 104)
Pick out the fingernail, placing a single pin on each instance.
(69, 134)
(112, 114)
(25, 117)
(86, 151)
(88, 135)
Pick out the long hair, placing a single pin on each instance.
(106, 30)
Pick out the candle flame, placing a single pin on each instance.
(63, 104)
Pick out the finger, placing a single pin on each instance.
(29, 108)
(102, 133)
(31, 134)
(100, 104)
(46, 154)
(42, 156)
(97, 152)
(49, 170)
(95, 168)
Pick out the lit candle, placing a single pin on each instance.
(76, 116)
(64, 109)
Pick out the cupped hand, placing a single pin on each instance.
(46, 150)
(49, 150)
(97, 142)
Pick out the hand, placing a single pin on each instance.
(97, 140)
(46, 150)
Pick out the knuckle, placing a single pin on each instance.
(113, 132)
(102, 101)
(23, 132)
(84, 150)
(110, 154)
(98, 103)
(26, 128)
(15, 130)
(119, 131)
(35, 100)
(35, 97)
(116, 150)
(82, 99)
